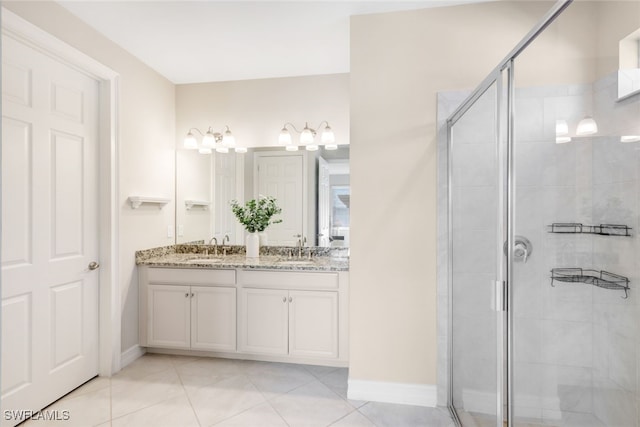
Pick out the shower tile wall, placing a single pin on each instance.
(575, 345)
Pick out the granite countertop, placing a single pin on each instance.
(271, 261)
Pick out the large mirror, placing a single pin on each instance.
(311, 187)
(629, 66)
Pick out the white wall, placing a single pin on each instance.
(146, 156)
(399, 61)
(255, 110)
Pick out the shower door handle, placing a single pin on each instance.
(500, 292)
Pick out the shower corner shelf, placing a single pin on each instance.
(578, 228)
(601, 279)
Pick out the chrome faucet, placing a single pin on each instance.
(302, 241)
(224, 248)
(215, 247)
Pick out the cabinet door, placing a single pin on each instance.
(213, 318)
(313, 324)
(168, 316)
(264, 321)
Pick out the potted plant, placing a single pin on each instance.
(255, 216)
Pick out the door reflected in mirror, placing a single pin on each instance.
(629, 69)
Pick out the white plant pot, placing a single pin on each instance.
(264, 239)
(253, 245)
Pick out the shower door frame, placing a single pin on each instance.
(505, 138)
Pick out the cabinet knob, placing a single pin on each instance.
(192, 294)
(284, 299)
(186, 295)
(290, 299)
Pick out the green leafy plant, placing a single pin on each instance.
(256, 215)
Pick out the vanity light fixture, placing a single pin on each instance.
(221, 142)
(587, 126)
(562, 139)
(307, 137)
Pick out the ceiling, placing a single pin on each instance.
(205, 41)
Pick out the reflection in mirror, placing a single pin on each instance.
(312, 188)
(629, 72)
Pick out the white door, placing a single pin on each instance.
(282, 177)
(168, 316)
(264, 321)
(49, 229)
(313, 324)
(213, 318)
(324, 202)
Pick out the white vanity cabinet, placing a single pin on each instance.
(178, 314)
(169, 316)
(290, 313)
(299, 323)
(273, 315)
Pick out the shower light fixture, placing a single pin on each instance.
(221, 142)
(630, 138)
(307, 137)
(587, 126)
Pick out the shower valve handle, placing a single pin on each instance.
(522, 249)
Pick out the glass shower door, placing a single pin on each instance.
(575, 311)
(476, 326)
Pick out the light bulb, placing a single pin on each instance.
(587, 126)
(190, 142)
(291, 147)
(285, 137)
(562, 128)
(221, 149)
(562, 139)
(306, 137)
(209, 139)
(241, 150)
(204, 150)
(312, 147)
(228, 140)
(630, 138)
(327, 136)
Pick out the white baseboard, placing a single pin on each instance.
(407, 394)
(130, 355)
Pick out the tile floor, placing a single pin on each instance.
(181, 391)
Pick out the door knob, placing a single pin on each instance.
(94, 265)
